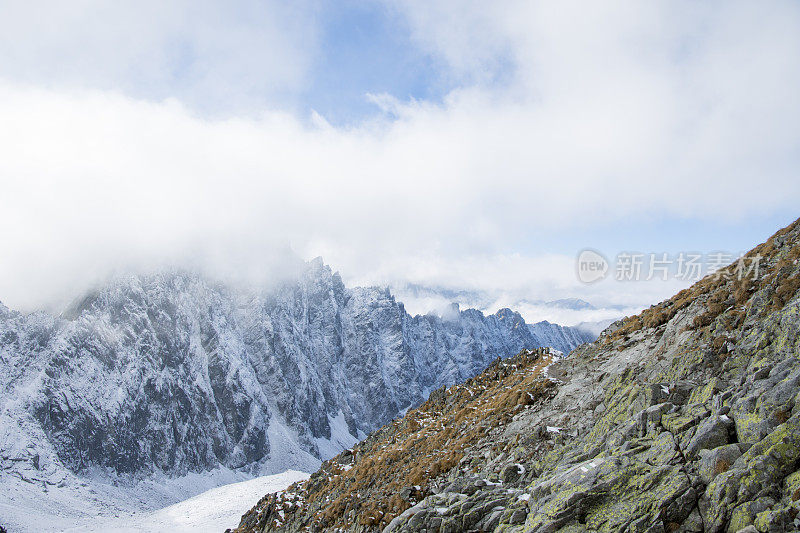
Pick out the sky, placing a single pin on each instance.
(475, 146)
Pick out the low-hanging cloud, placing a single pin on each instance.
(601, 117)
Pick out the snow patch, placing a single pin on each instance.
(340, 440)
(98, 507)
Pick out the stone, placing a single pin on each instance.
(656, 393)
(491, 521)
(518, 517)
(717, 461)
(511, 473)
(654, 412)
(719, 400)
(775, 520)
(640, 490)
(711, 433)
(411, 494)
(663, 450)
(762, 373)
(744, 515)
(693, 523)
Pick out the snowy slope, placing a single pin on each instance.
(214, 510)
(145, 507)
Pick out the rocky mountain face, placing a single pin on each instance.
(560, 338)
(173, 373)
(685, 418)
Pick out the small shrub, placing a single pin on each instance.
(656, 317)
(785, 292)
(742, 292)
(719, 342)
(701, 321)
(721, 466)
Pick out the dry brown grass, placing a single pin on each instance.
(784, 292)
(719, 342)
(781, 416)
(427, 443)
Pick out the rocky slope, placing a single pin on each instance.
(171, 373)
(684, 418)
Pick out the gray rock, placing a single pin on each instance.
(718, 460)
(762, 373)
(693, 523)
(411, 494)
(711, 433)
(654, 412)
(511, 473)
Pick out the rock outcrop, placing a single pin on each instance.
(685, 418)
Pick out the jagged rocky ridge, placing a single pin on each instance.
(173, 373)
(685, 418)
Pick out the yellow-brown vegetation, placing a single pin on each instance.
(427, 443)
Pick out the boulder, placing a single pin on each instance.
(711, 433)
(717, 461)
(512, 473)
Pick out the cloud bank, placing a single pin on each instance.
(565, 114)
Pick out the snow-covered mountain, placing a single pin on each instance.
(561, 338)
(571, 311)
(171, 373)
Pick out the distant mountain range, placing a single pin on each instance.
(570, 311)
(418, 290)
(173, 373)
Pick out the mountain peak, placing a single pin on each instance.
(572, 303)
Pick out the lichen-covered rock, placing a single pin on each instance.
(777, 519)
(711, 433)
(610, 496)
(717, 461)
(732, 495)
(743, 515)
(512, 473)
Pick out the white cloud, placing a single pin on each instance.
(216, 56)
(608, 115)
